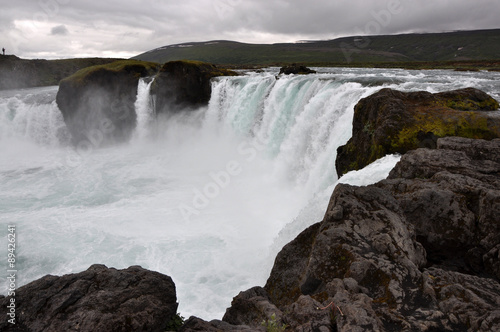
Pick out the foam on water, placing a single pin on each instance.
(210, 198)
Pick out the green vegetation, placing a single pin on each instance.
(272, 325)
(464, 124)
(462, 103)
(117, 66)
(463, 50)
(208, 69)
(175, 323)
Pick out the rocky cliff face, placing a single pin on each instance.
(416, 252)
(184, 84)
(391, 121)
(99, 299)
(98, 102)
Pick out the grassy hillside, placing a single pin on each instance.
(21, 73)
(451, 46)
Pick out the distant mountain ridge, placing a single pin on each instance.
(446, 46)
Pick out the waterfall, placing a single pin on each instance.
(256, 166)
(300, 120)
(32, 118)
(143, 108)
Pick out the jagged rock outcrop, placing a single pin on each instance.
(452, 197)
(184, 84)
(98, 299)
(97, 103)
(296, 69)
(251, 307)
(391, 121)
(418, 251)
(197, 324)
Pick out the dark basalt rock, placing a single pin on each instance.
(391, 121)
(184, 84)
(197, 324)
(296, 69)
(291, 262)
(452, 197)
(98, 299)
(252, 306)
(416, 252)
(97, 103)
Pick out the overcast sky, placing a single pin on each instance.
(54, 29)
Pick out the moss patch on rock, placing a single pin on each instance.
(391, 121)
(135, 67)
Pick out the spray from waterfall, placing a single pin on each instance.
(300, 120)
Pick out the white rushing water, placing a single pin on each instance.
(208, 197)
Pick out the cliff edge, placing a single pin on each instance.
(392, 121)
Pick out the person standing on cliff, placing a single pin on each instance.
(3, 50)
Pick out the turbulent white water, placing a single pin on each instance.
(208, 197)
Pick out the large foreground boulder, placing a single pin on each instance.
(97, 103)
(416, 252)
(184, 84)
(98, 299)
(391, 121)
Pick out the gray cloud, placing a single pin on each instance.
(112, 28)
(59, 30)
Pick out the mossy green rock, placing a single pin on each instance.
(391, 121)
(184, 84)
(97, 102)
